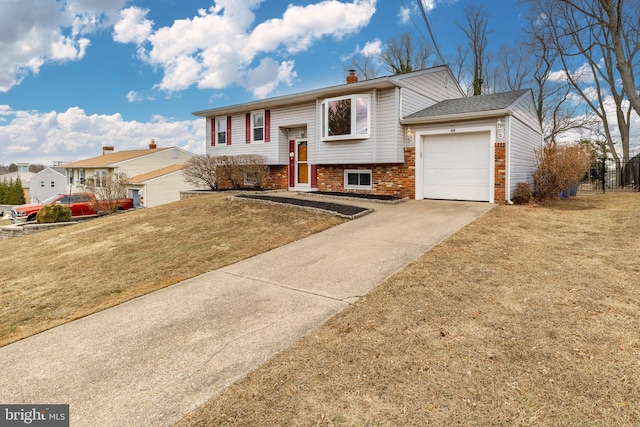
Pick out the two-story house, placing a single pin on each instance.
(412, 135)
(154, 173)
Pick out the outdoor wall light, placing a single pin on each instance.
(499, 130)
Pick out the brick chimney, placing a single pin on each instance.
(107, 150)
(152, 145)
(352, 78)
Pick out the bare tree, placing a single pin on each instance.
(621, 18)
(582, 44)
(201, 171)
(108, 188)
(556, 112)
(364, 65)
(475, 28)
(405, 54)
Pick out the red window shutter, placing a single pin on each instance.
(248, 127)
(292, 164)
(228, 130)
(267, 125)
(213, 132)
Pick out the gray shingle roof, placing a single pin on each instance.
(472, 104)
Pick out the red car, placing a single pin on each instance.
(82, 205)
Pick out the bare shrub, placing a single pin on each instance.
(108, 187)
(559, 168)
(523, 195)
(255, 170)
(238, 170)
(201, 171)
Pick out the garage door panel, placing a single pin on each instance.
(457, 167)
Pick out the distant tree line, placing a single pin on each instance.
(11, 192)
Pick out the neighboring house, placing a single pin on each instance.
(25, 179)
(134, 163)
(46, 183)
(401, 135)
(159, 186)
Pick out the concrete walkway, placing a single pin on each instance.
(151, 360)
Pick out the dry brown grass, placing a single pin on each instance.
(59, 275)
(528, 316)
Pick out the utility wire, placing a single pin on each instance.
(427, 22)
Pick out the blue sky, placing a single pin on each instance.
(79, 74)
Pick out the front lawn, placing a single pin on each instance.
(63, 274)
(528, 316)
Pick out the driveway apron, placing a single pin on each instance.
(151, 360)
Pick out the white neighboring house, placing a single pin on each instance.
(134, 163)
(46, 183)
(159, 186)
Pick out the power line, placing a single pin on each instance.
(427, 23)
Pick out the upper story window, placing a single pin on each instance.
(346, 117)
(221, 130)
(257, 126)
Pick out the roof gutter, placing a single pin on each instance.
(457, 117)
(312, 95)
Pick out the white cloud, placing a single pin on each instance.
(132, 27)
(34, 32)
(404, 14)
(268, 75)
(372, 48)
(220, 47)
(37, 137)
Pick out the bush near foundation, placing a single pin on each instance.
(523, 195)
(53, 213)
(559, 168)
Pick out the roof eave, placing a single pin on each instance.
(297, 98)
(457, 117)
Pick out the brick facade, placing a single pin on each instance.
(276, 180)
(389, 179)
(499, 180)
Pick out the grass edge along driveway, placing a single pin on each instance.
(56, 276)
(527, 316)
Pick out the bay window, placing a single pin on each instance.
(346, 117)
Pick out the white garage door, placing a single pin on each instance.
(457, 166)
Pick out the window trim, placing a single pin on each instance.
(359, 172)
(253, 127)
(217, 130)
(324, 119)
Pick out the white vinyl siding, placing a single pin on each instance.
(150, 162)
(383, 146)
(413, 102)
(433, 85)
(299, 118)
(165, 189)
(521, 152)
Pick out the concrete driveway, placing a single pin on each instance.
(153, 359)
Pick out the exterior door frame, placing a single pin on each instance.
(296, 164)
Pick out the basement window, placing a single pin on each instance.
(357, 179)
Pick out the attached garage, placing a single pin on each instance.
(476, 148)
(457, 166)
